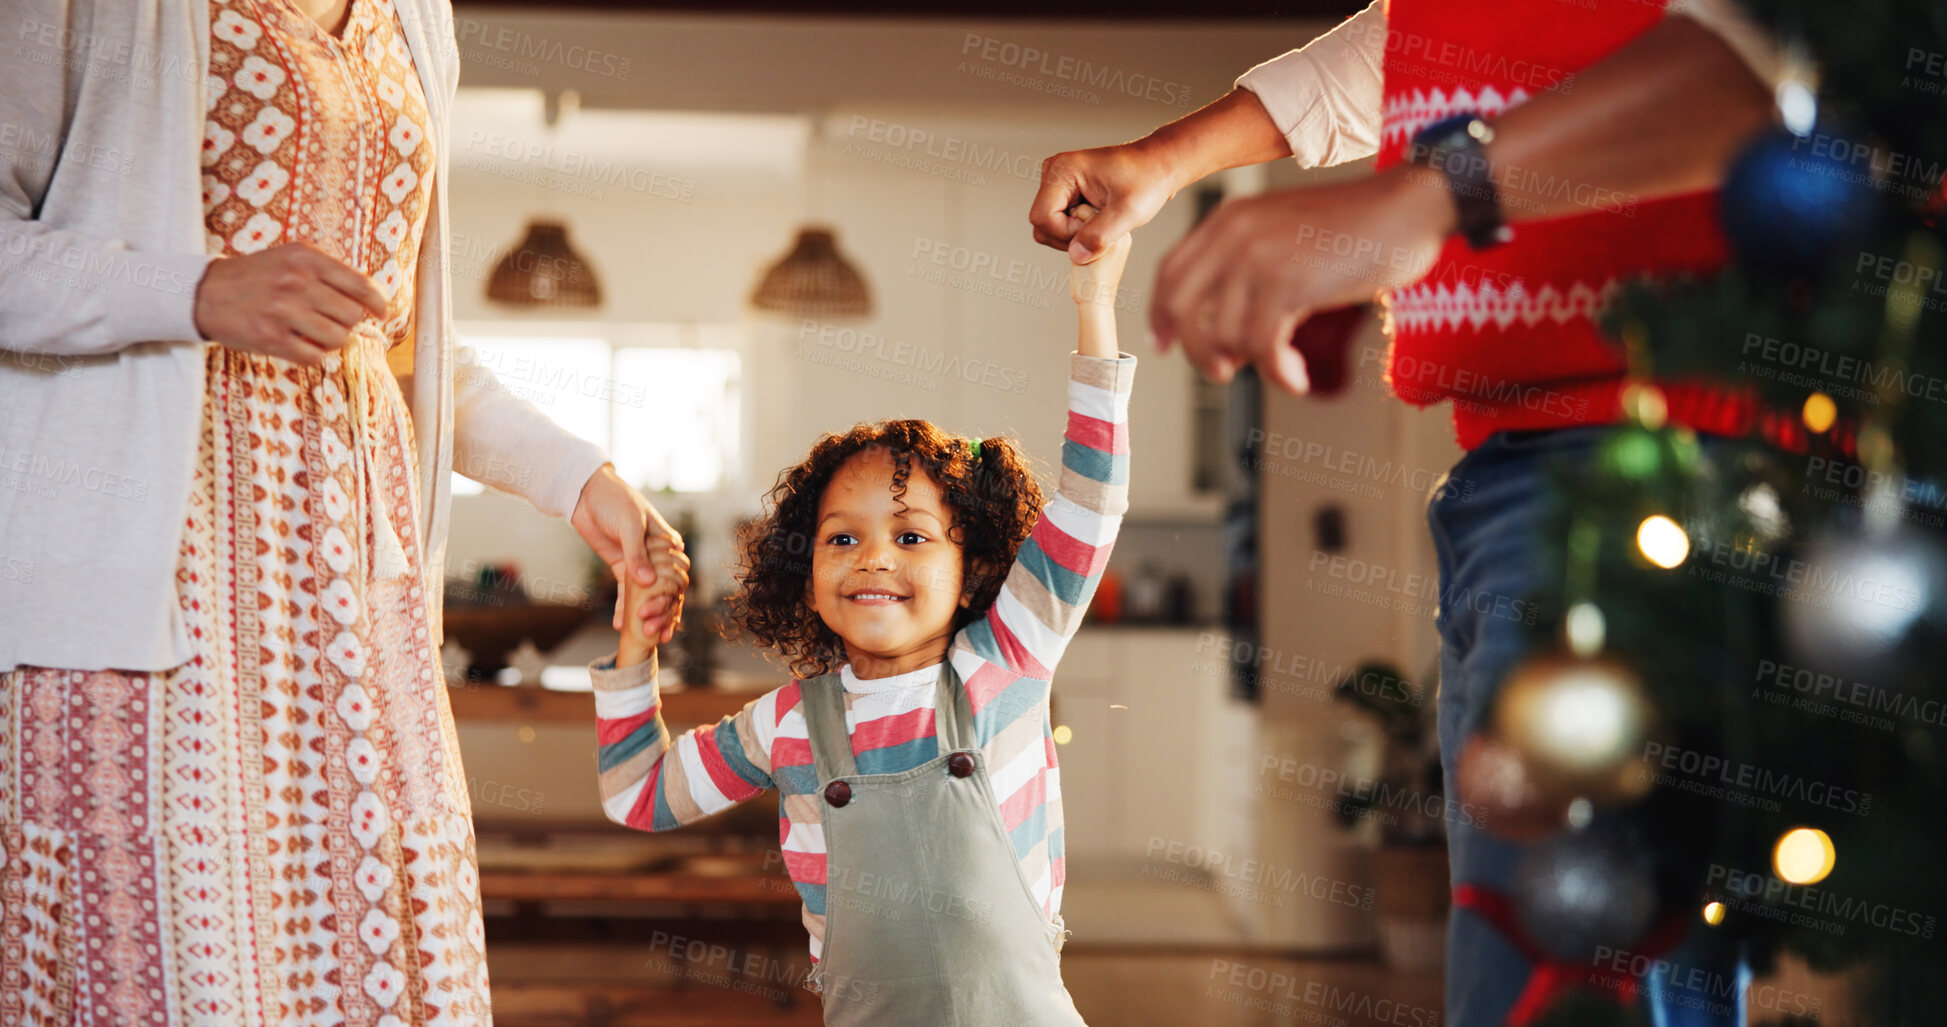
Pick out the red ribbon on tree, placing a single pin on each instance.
(1550, 976)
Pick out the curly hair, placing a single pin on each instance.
(993, 497)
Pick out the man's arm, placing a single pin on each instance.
(1319, 103)
(1659, 117)
(1326, 97)
(1664, 115)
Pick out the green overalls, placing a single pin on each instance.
(928, 919)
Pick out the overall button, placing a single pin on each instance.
(838, 793)
(960, 764)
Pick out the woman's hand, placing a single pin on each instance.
(625, 530)
(1232, 291)
(294, 302)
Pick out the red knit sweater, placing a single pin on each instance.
(1509, 334)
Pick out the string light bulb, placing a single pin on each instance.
(1662, 541)
(1804, 855)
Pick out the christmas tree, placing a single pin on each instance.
(1734, 739)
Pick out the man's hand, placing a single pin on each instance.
(619, 525)
(295, 302)
(1232, 291)
(1127, 183)
(1130, 183)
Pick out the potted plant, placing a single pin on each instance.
(1406, 799)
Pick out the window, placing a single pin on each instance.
(665, 400)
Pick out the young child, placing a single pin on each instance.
(916, 583)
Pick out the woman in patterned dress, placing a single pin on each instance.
(277, 831)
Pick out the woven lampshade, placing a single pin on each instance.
(544, 271)
(813, 280)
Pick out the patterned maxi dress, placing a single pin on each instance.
(278, 831)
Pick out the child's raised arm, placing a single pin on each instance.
(1040, 607)
(1093, 287)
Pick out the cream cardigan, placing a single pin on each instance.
(101, 367)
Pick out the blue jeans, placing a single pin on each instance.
(1488, 524)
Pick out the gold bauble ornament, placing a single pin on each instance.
(1578, 724)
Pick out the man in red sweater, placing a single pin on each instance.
(1531, 155)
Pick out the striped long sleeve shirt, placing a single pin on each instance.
(1006, 659)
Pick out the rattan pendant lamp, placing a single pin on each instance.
(543, 269)
(814, 279)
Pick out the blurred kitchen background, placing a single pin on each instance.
(624, 177)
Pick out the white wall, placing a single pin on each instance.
(667, 259)
(857, 88)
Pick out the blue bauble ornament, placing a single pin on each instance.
(1790, 203)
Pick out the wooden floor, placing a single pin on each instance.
(627, 986)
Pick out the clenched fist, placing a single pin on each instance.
(294, 302)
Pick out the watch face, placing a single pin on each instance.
(1454, 146)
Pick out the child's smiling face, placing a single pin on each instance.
(885, 576)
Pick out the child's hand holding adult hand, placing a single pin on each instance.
(1095, 282)
(653, 611)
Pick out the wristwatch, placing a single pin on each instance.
(1457, 148)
